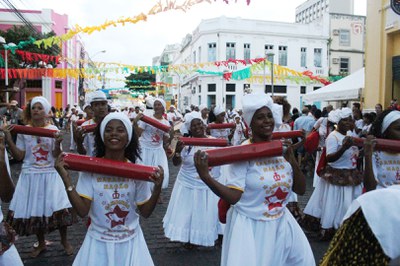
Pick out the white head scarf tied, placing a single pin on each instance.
(43, 101)
(161, 101)
(97, 96)
(252, 102)
(218, 110)
(389, 119)
(337, 115)
(202, 107)
(190, 117)
(117, 116)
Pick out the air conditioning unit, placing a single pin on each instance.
(335, 60)
(335, 32)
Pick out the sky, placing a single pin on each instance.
(137, 44)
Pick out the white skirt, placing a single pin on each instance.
(314, 204)
(156, 157)
(316, 177)
(38, 195)
(128, 253)
(335, 202)
(263, 243)
(11, 257)
(192, 215)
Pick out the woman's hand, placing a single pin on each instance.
(369, 145)
(289, 154)
(137, 118)
(347, 142)
(201, 164)
(6, 129)
(158, 177)
(179, 146)
(2, 148)
(58, 136)
(61, 168)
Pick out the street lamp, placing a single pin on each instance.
(270, 56)
(3, 41)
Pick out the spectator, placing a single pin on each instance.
(378, 109)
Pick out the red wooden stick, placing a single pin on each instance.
(80, 122)
(108, 167)
(155, 123)
(34, 131)
(287, 135)
(221, 126)
(206, 142)
(89, 128)
(381, 144)
(244, 152)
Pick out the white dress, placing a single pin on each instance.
(11, 256)
(152, 151)
(260, 230)
(192, 213)
(114, 236)
(335, 200)
(386, 167)
(40, 192)
(88, 140)
(239, 134)
(73, 118)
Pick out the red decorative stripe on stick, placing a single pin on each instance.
(108, 167)
(287, 135)
(34, 131)
(155, 123)
(206, 142)
(244, 152)
(381, 144)
(221, 126)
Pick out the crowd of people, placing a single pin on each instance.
(264, 224)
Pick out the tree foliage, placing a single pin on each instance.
(135, 81)
(16, 34)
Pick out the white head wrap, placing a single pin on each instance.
(202, 107)
(336, 115)
(252, 102)
(43, 101)
(161, 101)
(117, 116)
(218, 110)
(97, 96)
(389, 119)
(189, 118)
(85, 106)
(149, 101)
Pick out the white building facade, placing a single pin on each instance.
(299, 47)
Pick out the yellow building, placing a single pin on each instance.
(382, 54)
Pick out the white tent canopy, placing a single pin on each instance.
(348, 88)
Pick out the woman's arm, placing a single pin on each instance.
(177, 159)
(80, 204)
(147, 208)
(232, 196)
(299, 180)
(57, 144)
(18, 154)
(138, 130)
(369, 177)
(333, 157)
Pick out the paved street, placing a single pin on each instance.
(162, 250)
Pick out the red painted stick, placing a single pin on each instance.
(34, 131)
(221, 126)
(108, 167)
(381, 144)
(287, 135)
(244, 152)
(89, 128)
(206, 142)
(155, 123)
(80, 122)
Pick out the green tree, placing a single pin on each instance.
(134, 81)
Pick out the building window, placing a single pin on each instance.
(317, 57)
(230, 87)
(199, 54)
(199, 99)
(58, 84)
(344, 37)
(212, 87)
(303, 89)
(303, 57)
(317, 88)
(199, 88)
(230, 50)
(34, 83)
(212, 52)
(283, 55)
(344, 66)
(277, 89)
(246, 54)
(194, 57)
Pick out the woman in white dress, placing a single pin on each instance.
(8, 253)
(153, 141)
(382, 167)
(341, 181)
(40, 203)
(192, 214)
(113, 204)
(260, 230)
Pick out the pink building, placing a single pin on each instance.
(59, 92)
